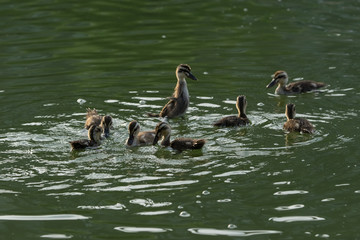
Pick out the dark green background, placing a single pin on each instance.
(120, 57)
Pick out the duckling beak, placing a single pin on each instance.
(130, 140)
(190, 75)
(272, 83)
(156, 139)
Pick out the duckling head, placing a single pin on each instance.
(290, 111)
(106, 124)
(184, 71)
(279, 77)
(241, 104)
(134, 129)
(162, 130)
(94, 133)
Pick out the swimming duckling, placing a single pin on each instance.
(137, 138)
(163, 131)
(93, 118)
(179, 101)
(281, 78)
(296, 124)
(94, 135)
(234, 121)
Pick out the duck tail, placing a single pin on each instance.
(199, 143)
(153, 114)
(90, 112)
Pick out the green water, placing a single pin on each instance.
(60, 57)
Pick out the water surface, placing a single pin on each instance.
(257, 182)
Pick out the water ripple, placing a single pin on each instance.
(55, 217)
(142, 229)
(154, 213)
(56, 236)
(291, 207)
(142, 186)
(290, 192)
(231, 233)
(288, 219)
(149, 203)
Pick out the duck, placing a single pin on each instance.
(93, 118)
(137, 138)
(179, 101)
(163, 131)
(281, 78)
(94, 139)
(296, 124)
(234, 121)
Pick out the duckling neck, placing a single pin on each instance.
(181, 90)
(241, 111)
(166, 141)
(242, 115)
(281, 88)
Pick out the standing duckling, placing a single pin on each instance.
(234, 121)
(296, 124)
(93, 118)
(281, 78)
(137, 138)
(94, 135)
(163, 131)
(179, 101)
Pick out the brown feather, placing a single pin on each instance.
(299, 125)
(179, 101)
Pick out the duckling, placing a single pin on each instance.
(137, 138)
(234, 121)
(179, 101)
(93, 118)
(296, 124)
(281, 78)
(163, 130)
(94, 135)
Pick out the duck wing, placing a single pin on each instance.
(304, 86)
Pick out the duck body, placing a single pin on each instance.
(82, 144)
(94, 139)
(232, 121)
(180, 99)
(296, 124)
(182, 144)
(235, 121)
(93, 118)
(163, 131)
(137, 138)
(299, 125)
(178, 103)
(281, 78)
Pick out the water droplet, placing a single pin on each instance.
(205, 192)
(322, 235)
(231, 226)
(184, 214)
(81, 101)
